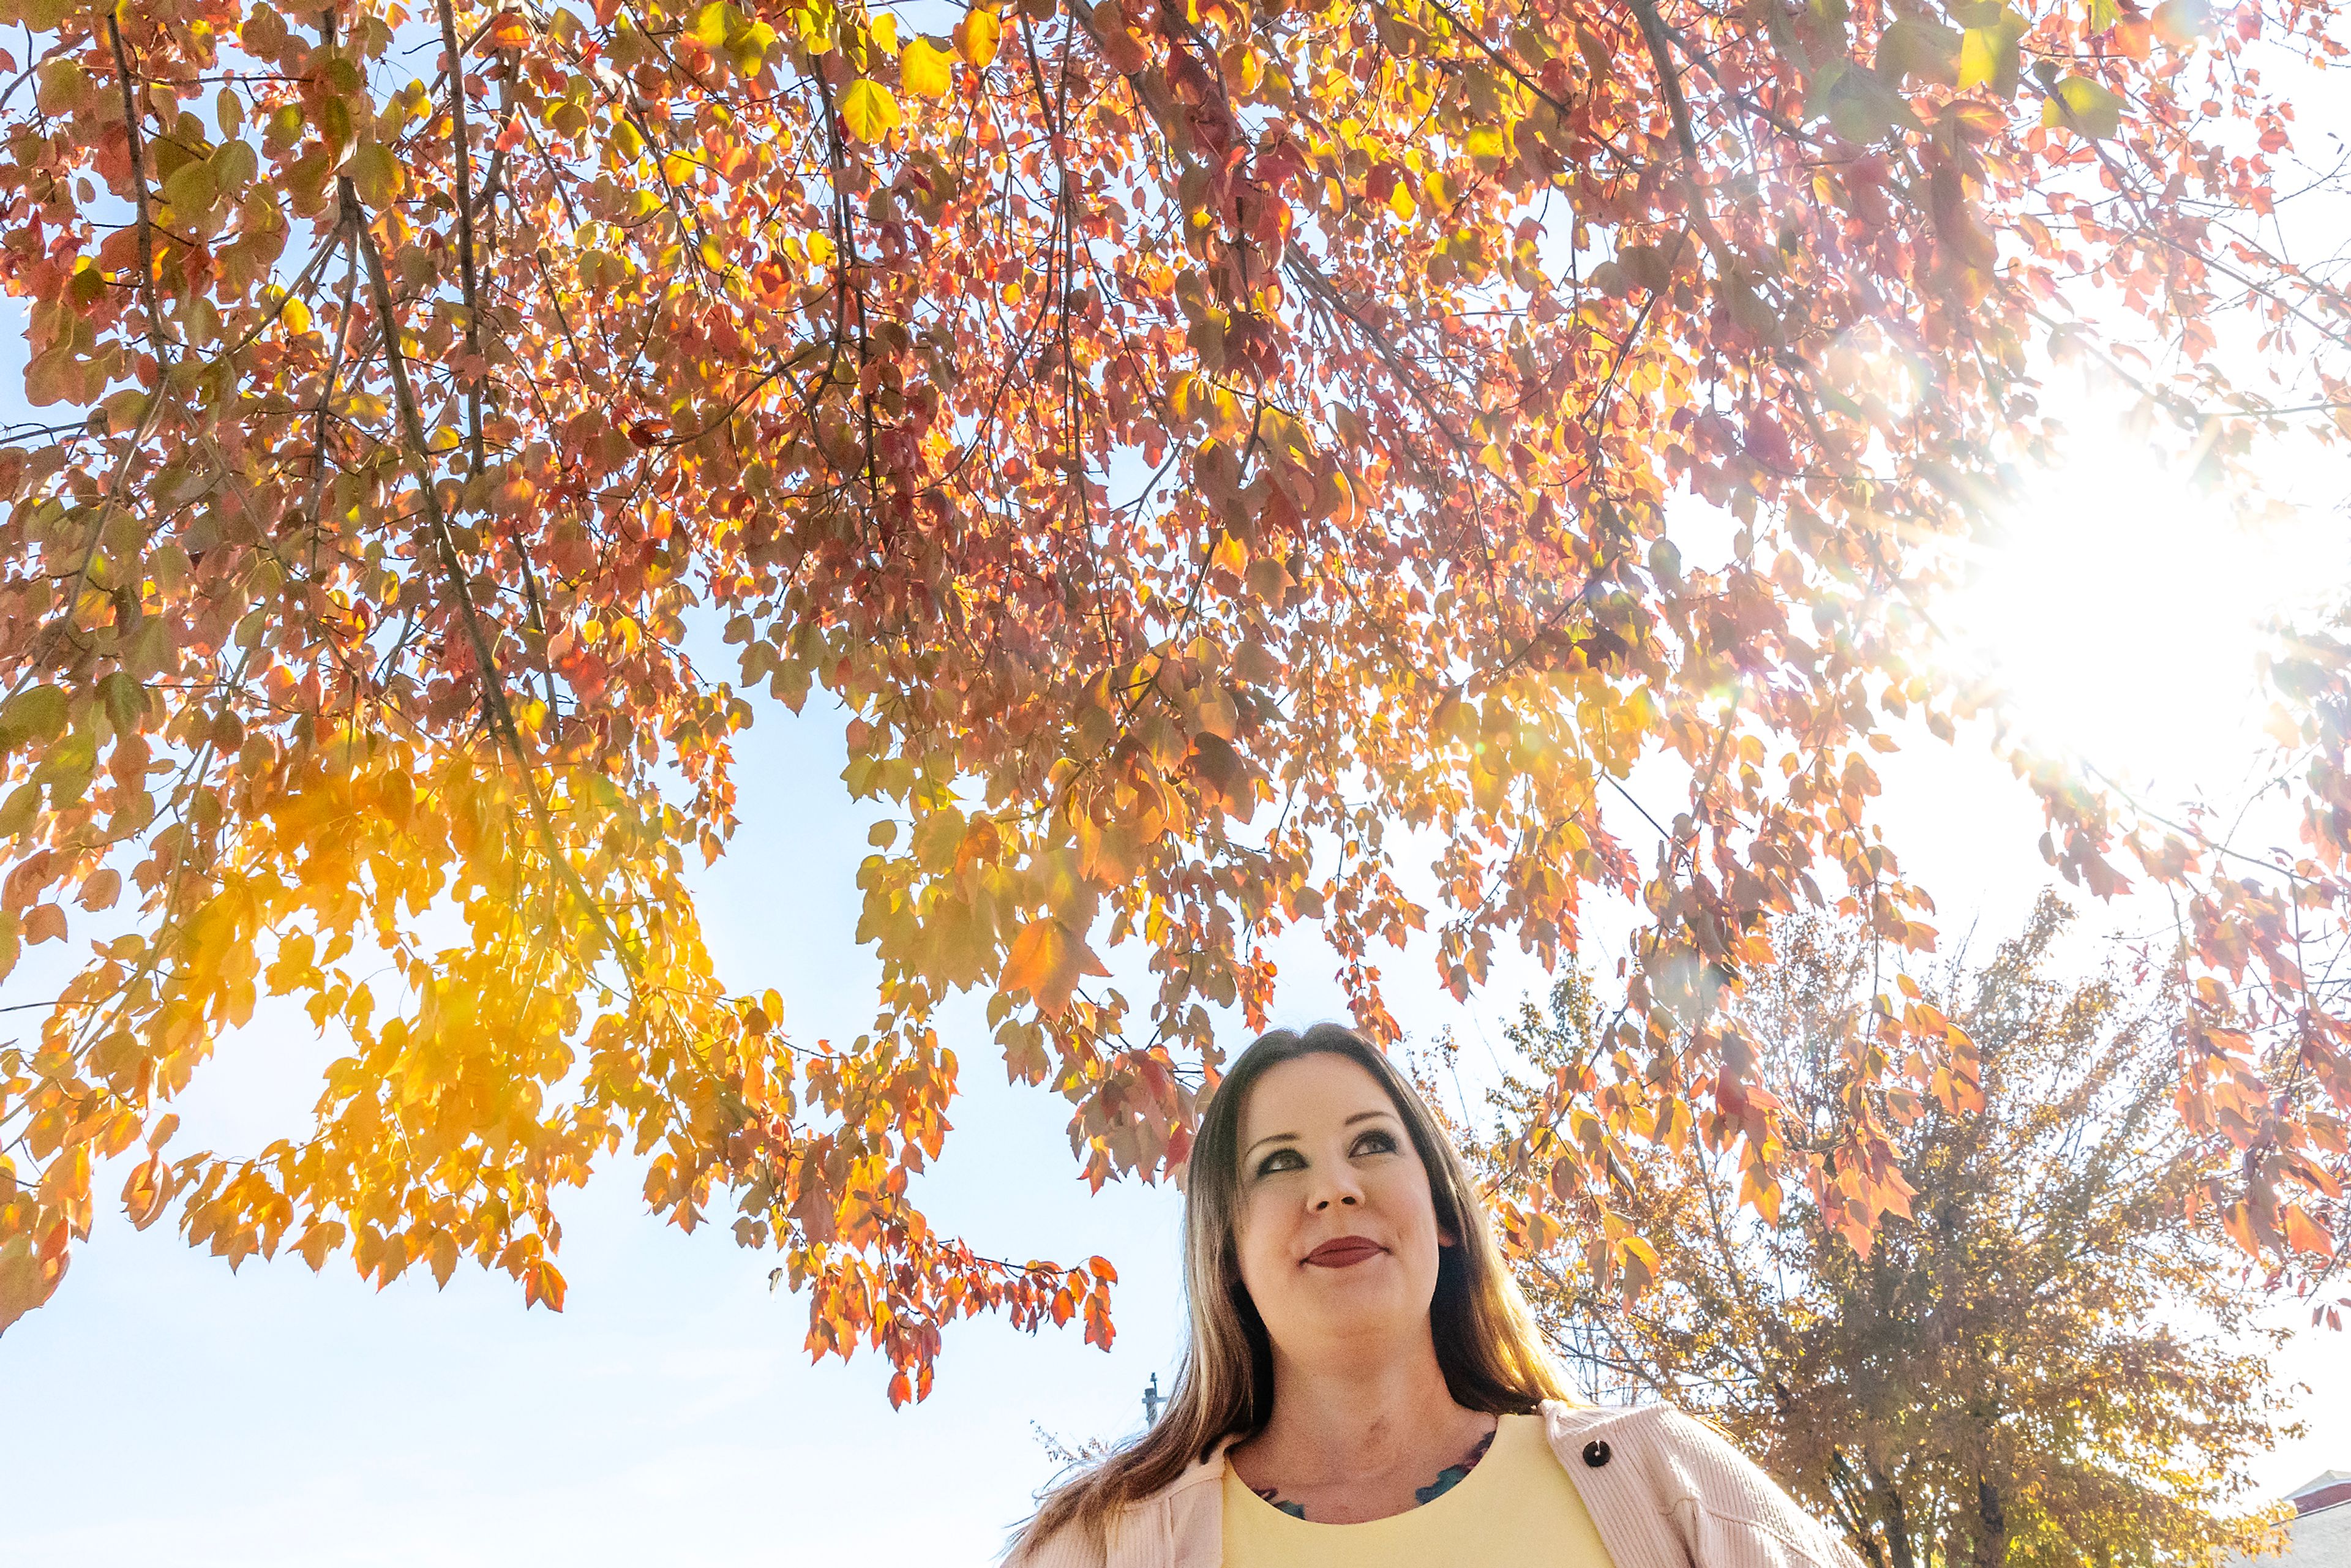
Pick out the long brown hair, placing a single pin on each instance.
(1486, 1344)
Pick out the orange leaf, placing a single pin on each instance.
(543, 1284)
(147, 1190)
(27, 1277)
(2304, 1234)
(1046, 961)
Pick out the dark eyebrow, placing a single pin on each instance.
(1268, 1138)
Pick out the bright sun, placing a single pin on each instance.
(2123, 611)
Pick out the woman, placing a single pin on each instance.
(1364, 1385)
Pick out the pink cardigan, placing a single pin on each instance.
(1665, 1490)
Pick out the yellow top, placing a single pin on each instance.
(1517, 1506)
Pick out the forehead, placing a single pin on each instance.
(1306, 1093)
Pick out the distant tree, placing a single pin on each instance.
(2043, 1363)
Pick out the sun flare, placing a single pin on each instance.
(2122, 611)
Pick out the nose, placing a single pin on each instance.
(1337, 1186)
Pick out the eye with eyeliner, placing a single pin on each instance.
(1271, 1165)
(1373, 1141)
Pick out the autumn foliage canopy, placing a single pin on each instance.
(1218, 457)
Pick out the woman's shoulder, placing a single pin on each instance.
(1145, 1533)
(1643, 1431)
(1658, 1462)
(1689, 1450)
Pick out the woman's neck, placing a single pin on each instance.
(1362, 1415)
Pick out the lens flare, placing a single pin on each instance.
(2122, 611)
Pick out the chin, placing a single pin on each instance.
(1363, 1314)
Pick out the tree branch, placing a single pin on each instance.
(131, 118)
(461, 148)
(494, 708)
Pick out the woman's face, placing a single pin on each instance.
(1337, 1233)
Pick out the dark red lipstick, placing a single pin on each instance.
(1343, 1252)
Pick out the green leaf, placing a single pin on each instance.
(234, 165)
(1915, 46)
(335, 127)
(189, 188)
(868, 110)
(2081, 105)
(125, 699)
(17, 812)
(1860, 107)
(59, 87)
(37, 713)
(377, 175)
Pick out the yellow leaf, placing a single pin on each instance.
(1988, 55)
(543, 1285)
(1486, 141)
(884, 32)
(868, 110)
(147, 1190)
(975, 37)
(1975, 59)
(924, 71)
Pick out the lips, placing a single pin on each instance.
(1343, 1252)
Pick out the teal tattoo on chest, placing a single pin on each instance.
(1446, 1479)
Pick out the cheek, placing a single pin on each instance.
(1406, 1198)
(1258, 1237)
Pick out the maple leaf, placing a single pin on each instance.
(1047, 962)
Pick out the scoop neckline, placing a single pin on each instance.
(1414, 1511)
